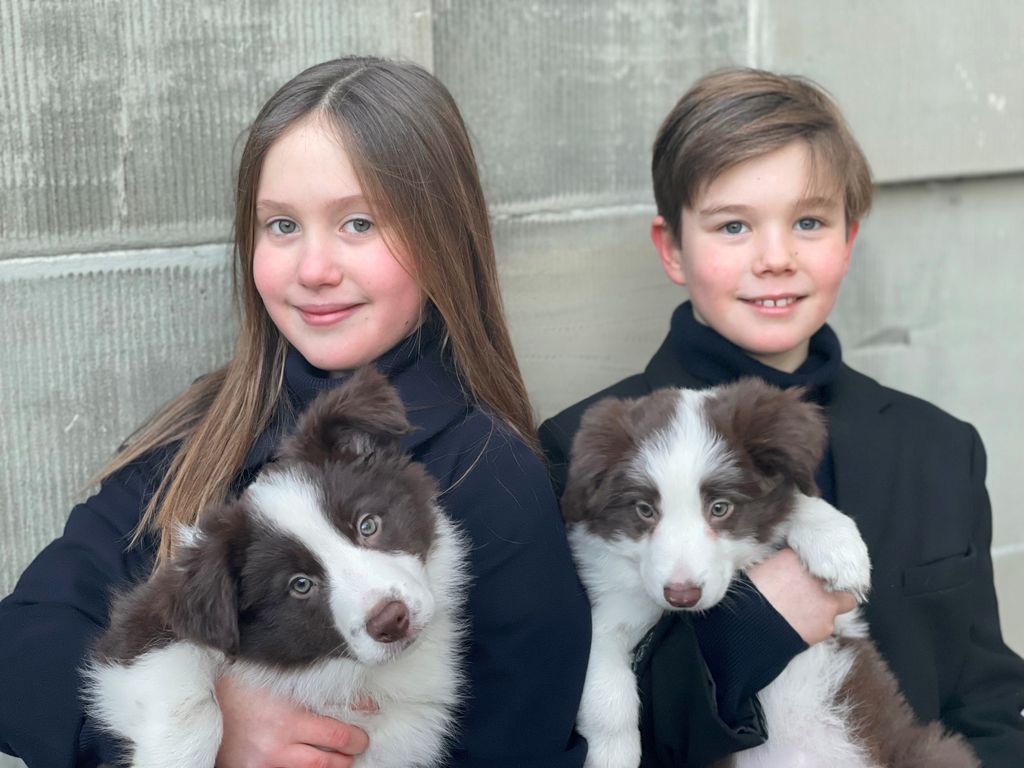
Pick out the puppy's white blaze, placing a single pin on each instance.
(165, 699)
(417, 690)
(358, 578)
(678, 459)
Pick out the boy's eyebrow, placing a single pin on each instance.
(815, 201)
(713, 210)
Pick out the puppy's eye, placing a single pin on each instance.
(301, 585)
(645, 510)
(369, 525)
(720, 508)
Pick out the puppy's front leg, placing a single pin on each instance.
(162, 705)
(830, 546)
(609, 713)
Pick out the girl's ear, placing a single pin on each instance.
(204, 578)
(669, 251)
(363, 415)
(782, 436)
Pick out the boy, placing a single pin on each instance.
(759, 187)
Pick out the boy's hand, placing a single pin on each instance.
(803, 600)
(264, 731)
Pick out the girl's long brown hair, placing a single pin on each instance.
(408, 143)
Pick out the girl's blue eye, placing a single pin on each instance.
(734, 228)
(808, 224)
(359, 226)
(283, 226)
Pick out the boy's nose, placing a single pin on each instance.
(775, 255)
(319, 265)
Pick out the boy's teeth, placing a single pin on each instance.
(774, 302)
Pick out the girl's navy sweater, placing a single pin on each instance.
(530, 620)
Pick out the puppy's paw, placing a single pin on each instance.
(830, 546)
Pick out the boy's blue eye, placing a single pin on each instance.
(359, 226)
(283, 226)
(808, 224)
(734, 228)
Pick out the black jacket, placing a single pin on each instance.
(530, 621)
(913, 478)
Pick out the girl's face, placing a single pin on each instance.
(762, 257)
(326, 277)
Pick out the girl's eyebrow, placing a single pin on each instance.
(348, 201)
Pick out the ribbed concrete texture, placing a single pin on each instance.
(120, 119)
(931, 89)
(587, 301)
(98, 343)
(564, 97)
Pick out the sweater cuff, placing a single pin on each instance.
(745, 643)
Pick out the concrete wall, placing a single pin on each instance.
(121, 125)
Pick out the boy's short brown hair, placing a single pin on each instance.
(734, 115)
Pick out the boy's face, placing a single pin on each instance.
(763, 255)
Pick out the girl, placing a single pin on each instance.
(361, 236)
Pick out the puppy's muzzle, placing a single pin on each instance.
(682, 594)
(388, 622)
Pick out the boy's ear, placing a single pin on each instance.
(851, 235)
(669, 252)
(354, 420)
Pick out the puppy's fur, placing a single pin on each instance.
(668, 497)
(333, 578)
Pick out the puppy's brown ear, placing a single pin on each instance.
(363, 415)
(782, 436)
(609, 435)
(204, 572)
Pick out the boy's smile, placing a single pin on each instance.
(763, 251)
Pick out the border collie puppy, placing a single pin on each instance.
(333, 579)
(668, 497)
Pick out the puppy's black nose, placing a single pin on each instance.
(388, 622)
(682, 595)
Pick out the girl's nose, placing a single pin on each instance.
(319, 265)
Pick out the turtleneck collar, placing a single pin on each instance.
(713, 359)
(418, 367)
(305, 381)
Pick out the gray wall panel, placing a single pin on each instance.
(564, 97)
(931, 89)
(99, 342)
(587, 301)
(125, 114)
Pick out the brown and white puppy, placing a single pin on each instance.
(671, 495)
(332, 579)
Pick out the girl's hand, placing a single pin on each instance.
(801, 599)
(264, 731)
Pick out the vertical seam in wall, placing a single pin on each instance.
(753, 33)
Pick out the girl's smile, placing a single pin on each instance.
(327, 314)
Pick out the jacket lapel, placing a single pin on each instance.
(863, 451)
